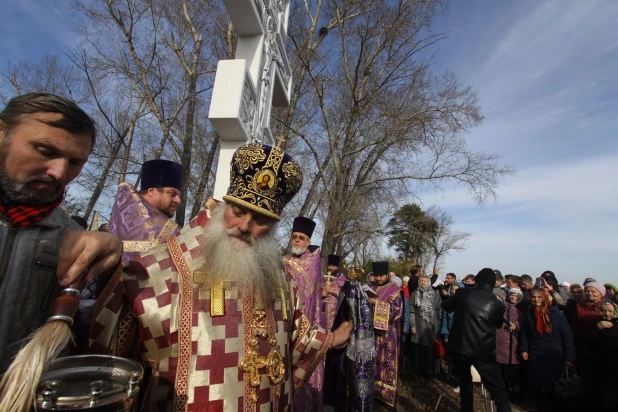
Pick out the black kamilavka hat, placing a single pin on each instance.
(380, 268)
(161, 173)
(303, 225)
(333, 260)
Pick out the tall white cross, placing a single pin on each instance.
(247, 87)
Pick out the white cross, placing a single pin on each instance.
(247, 87)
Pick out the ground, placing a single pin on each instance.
(421, 393)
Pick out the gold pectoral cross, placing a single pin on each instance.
(329, 277)
(252, 364)
(217, 291)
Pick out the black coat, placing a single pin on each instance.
(605, 344)
(477, 315)
(547, 352)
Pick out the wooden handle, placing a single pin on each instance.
(65, 306)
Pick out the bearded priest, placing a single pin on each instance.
(303, 265)
(220, 324)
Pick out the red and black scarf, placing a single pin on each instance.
(541, 314)
(23, 216)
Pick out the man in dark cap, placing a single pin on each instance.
(303, 265)
(387, 325)
(472, 341)
(142, 219)
(332, 282)
(219, 321)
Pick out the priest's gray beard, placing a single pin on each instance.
(297, 251)
(228, 258)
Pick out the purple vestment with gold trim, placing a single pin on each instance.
(328, 307)
(139, 225)
(305, 270)
(387, 323)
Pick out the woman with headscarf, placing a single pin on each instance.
(602, 338)
(546, 342)
(507, 342)
(425, 322)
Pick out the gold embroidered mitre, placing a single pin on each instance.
(263, 179)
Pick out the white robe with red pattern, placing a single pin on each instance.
(195, 356)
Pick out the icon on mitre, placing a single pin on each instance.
(264, 180)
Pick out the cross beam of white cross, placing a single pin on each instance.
(247, 87)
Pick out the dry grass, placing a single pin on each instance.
(420, 393)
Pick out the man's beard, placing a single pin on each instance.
(20, 193)
(226, 257)
(297, 250)
(169, 211)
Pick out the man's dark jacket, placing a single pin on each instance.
(478, 313)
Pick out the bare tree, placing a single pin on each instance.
(376, 121)
(443, 239)
(159, 48)
(50, 75)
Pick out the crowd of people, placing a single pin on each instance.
(544, 331)
(220, 320)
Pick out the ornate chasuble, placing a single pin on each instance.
(212, 347)
(139, 225)
(306, 272)
(329, 306)
(388, 314)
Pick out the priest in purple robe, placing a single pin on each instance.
(332, 282)
(387, 324)
(143, 219)
(302, 264)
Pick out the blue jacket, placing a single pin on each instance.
(447, 318)
(406, 315)
(447, 324)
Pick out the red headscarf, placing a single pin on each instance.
(541, 313)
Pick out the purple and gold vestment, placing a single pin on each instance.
(305, 270)
(328, 308)
(140, 226)
(387, 324)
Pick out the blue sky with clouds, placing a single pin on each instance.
(545, 72)
(546, 76)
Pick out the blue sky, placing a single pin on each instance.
(546, 77)
(545, 72)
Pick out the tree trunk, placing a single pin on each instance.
(127, 153)
(199, 201)
(98, 189)
(185, 159)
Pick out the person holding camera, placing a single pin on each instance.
(553, 290)
(445, 289)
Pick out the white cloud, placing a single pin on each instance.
(547, 217)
